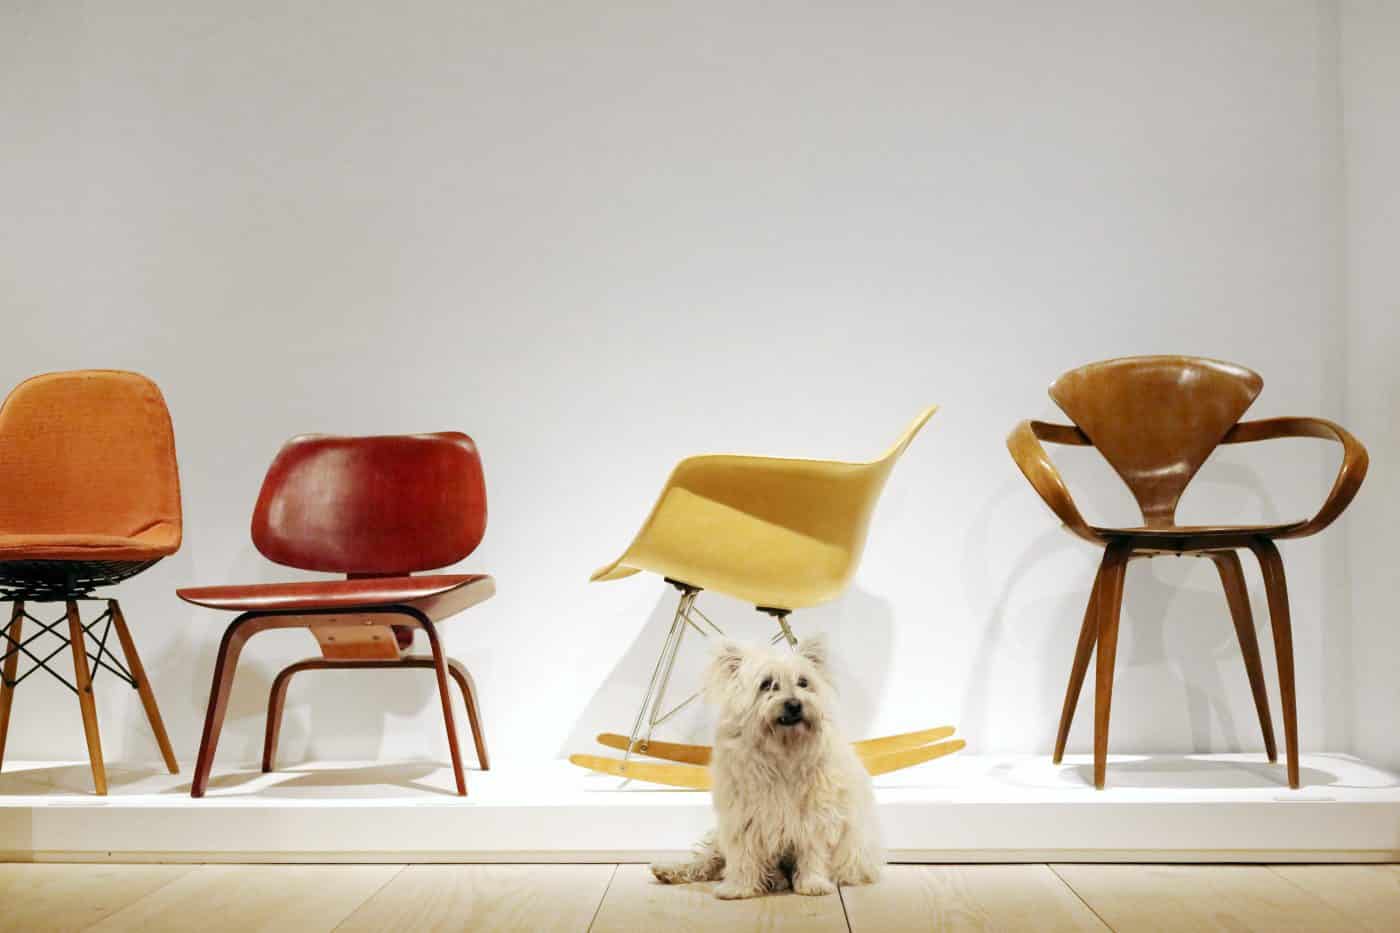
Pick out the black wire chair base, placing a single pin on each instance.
(46, 581)
(104, 659)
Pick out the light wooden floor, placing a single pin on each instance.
(305, 898)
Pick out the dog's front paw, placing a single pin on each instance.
(813, 885)
(730, 891)
(668, 874)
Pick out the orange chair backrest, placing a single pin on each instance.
(1156, 419)
(88, 452)
(372, 505)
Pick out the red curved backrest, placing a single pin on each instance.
(1156, 419)
(372, 505)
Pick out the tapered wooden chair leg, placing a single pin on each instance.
(143, 686)
(440, 666)
(7, 689)
(1110, 602)
(83, 679)
(468, 687)
(1088, 634)
(1237, 595)
(219, 689)
(1276, 586)
(276, 702)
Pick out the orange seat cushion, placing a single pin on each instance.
(437, 596)
(152, 544)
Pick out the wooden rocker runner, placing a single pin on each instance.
(780, 534)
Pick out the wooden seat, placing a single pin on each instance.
(1156, 419)
(377, 509)
(438, 596)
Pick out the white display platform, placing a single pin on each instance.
(960, 809)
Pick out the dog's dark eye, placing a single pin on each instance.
(766, 685)
(802, 682)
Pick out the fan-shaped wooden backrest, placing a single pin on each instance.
(1156, 419)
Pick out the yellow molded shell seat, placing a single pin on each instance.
(781, 534)
(778, 533)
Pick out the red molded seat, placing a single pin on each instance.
(438, 596)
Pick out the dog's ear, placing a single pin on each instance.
(722, 678)
(728, 659)
(814, 650)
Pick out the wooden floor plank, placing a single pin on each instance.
(239, 898)
(441, 898)
(1367, 895)
(635, 901)
(71, 897)
(967, 897)
(1167, 898)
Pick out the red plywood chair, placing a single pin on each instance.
(378, 510)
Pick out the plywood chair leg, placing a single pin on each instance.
(1237, 595)
(7, 689)
(440, 666)
(219, 689)
(1088, 634)
(1110, 603)
(276, 702)
(1276, 586)
(143, 686)
(468, 688)
(86, 701)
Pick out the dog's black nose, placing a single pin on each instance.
(792, 709)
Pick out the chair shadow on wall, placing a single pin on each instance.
(347, 710)
(1148, 601)
(859, 627)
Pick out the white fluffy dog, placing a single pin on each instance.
(793, 802)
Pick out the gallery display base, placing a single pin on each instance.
(964, 808)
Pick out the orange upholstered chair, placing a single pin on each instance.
(89, 496)
(376, 509)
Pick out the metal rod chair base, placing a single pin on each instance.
(687, 765)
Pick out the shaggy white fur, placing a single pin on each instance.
(793, 802)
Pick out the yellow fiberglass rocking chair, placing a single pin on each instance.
(781, 534)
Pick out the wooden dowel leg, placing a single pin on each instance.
(468, 687)
(143, 686)
(1227, 563)
(440, 666)
(220, 688)
(1088, 634)
(1276, 586)
(86, 701)
(7, 690)
(1110, 599)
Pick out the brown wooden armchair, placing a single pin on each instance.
(1156, 419)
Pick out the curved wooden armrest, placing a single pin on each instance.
(1030, 456)
(1349, 476)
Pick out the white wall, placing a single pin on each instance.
(601, 239)
(1371, 84)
